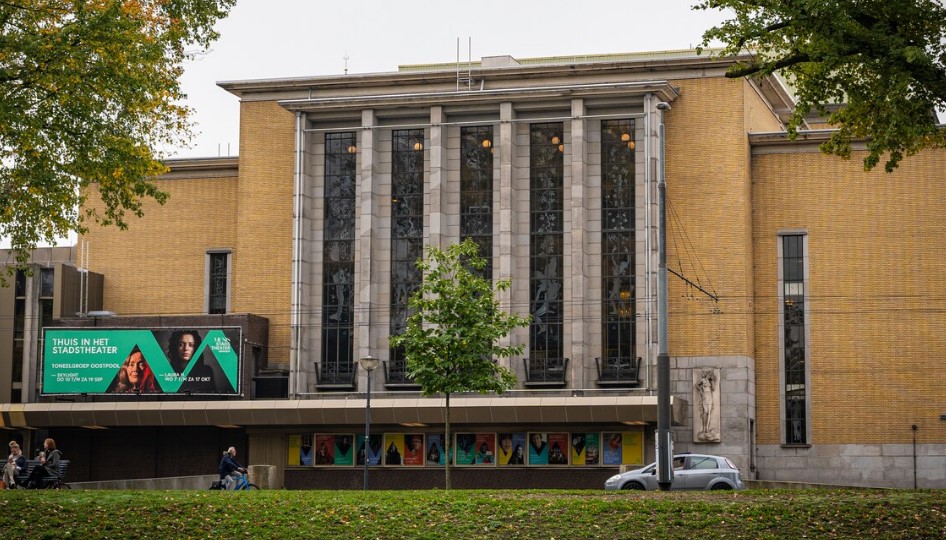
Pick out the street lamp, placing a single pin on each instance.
(368, 363)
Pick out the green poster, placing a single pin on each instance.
(141, 361)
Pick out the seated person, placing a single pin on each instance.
(48, 465)
(16, 462)
(230, 471)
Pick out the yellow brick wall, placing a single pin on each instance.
(708, 219)
(759, 115)
(262, 262)
(877, 294)
(157, 266)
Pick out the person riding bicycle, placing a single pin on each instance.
(230, 471)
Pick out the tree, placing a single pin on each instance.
(451, 338)
(884, 60)
(88, 91)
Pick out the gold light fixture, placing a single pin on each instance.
(418, 146)
(555, 139)
(561, 148)
(626, 138)
(352, 149)
(487, 143)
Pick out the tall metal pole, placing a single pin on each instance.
(367, 427)
(664, 450)
(368, 364)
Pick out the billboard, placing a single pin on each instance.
(122, 361)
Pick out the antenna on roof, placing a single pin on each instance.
(466, 76)
(346, 62)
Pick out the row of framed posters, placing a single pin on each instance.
(522, 449)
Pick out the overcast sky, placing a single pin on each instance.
(289, 38)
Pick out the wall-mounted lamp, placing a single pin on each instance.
(487, 143)
(418, 146)
(555, 139)
(352, 149)
(561, 148)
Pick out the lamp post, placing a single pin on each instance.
(368, 363)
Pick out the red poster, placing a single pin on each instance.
(414, 449)
(325, 450)
(558, 448)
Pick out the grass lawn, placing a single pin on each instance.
(529, 514)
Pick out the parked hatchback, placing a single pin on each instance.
(690, 471)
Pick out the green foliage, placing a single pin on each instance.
(167, 515)
(88, 92)
(452, 335)
(451, 340)
(885, 60)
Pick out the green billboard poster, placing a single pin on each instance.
(122, 361)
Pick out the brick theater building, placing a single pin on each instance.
(806, 296)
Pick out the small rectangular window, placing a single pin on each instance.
(218, 282)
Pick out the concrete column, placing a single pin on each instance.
(367, 235)
(436, 191)
(31, 367)
(576, 239)
(504, 218)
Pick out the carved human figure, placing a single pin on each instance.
(706, 387)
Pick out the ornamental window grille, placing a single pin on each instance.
(407, 233)
(338, 257)
(476, 190)
(617, 239)
(546, 190)
(218, 282)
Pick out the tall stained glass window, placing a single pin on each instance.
(338, 257)
(617, 241)
(476, 190)
(407, 234)
(546, 170)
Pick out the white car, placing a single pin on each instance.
(690, 471)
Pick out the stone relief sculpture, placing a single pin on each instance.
(706, 410)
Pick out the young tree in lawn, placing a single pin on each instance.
(452, 333)
(883, 60)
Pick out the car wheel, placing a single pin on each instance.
(720, 486)
(633, 485)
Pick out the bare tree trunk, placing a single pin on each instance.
(447, 442)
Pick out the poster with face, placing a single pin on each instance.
(622, 448)
(393, 449)
(511, 449)
(466, 448)
(485, 447)
(585, 449)
(324, 450)
(558, 448)
(373, 451)
(344, 450)
(538, 448)
(436, 450)
(414, 454)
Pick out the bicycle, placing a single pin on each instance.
(242, 484)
